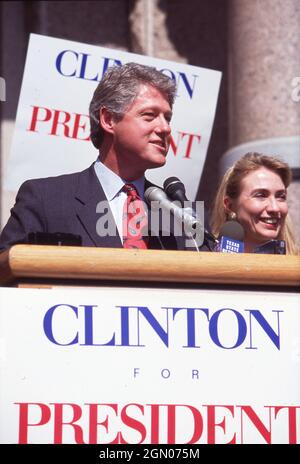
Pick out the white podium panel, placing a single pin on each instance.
(149, 365)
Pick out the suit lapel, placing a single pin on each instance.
(95, 216)
(93, 211)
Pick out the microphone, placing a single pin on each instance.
(158, 199)
(232, 236)
(272, 247)
(175, 189)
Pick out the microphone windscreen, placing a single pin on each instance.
(232, 229)
(172, 184)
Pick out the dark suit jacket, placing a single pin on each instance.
(67, 204)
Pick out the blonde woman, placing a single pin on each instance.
(254, 192)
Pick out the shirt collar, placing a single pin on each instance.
(112, 184)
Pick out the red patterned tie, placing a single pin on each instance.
(134, 220)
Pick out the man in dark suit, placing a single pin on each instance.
(130, 115)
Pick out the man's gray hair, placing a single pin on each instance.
(118, 89)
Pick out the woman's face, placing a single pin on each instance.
(261, 207)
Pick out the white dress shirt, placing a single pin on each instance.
(112, 186)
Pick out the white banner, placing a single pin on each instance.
(52, 125)
(149, 365)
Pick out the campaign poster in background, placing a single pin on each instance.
(52, 125)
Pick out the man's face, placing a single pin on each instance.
(142, 136)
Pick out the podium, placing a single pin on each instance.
(114, 346)
(36, 264)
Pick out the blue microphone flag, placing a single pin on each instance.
(230, 245)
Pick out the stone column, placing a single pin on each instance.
(264, 84)
(149, 33)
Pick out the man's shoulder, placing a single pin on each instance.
(62, 179)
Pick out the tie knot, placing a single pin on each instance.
(130, 190)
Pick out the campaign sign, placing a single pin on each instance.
(52, 131)
(122, 365)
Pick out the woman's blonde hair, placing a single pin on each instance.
(230, 186)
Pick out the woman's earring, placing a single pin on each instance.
(232, 216)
